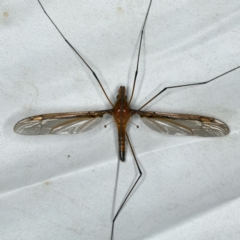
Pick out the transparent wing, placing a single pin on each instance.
(59, 123)
(184, 124)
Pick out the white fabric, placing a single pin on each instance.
(62, 187)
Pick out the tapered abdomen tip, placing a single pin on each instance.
(122, 155)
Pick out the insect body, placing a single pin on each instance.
(121, 111)
(168, 123)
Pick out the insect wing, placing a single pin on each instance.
(59, 123)
(184, 124)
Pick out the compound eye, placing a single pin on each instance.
(117, 96)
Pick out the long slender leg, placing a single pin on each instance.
(116, 185)
(130, 191)
(94, 74)
(186, 85)
(139, 50)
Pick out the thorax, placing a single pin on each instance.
(121, 111)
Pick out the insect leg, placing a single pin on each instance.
(186, 85)
(139, 50)
(130, 191)
(94, 74)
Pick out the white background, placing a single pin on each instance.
(62, 187)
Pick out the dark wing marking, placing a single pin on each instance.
(59, 123)
(184, 124)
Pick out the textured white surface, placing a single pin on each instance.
(61, 187)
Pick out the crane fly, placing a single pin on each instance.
(121, 111)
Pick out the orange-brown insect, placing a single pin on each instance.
(167, 123)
